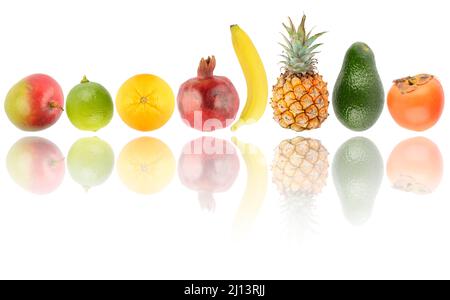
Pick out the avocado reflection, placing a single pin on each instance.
(415, 165)
(36, 164)
(357, 176)
(90, 162)
(208, 165)
(300, 172)
(146, 165)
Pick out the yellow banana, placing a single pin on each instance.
(256, 189)
(255, 75)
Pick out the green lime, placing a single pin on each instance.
(89, 106)
(90, 162)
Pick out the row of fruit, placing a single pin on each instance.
(207, 102)
(300, 98)
(209, 165)
(144, 102)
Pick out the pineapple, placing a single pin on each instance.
(300, 97)
(300, 171)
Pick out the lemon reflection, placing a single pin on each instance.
(415, 165)
(146, 165)
(90, 162)
(300, 172)
(36, 164)
(357, 175)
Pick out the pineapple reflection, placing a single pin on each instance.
(415, 165)
(300, 172)
(146, 165)
(208, 165)
(357, 175)
(36, 164)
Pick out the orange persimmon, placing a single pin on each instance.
(416, 102)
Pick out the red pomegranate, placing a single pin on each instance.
(208, 102)
(208, 165)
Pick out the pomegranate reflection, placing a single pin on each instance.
(208, 165)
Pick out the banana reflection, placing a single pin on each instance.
(300, 172)
(208, 165)
(90, 162)
(415, 165)
(146, 165)
(255, 191)
(357, 175)
(36, 164)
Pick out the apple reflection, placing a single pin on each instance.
(36, 164)
(208, 165)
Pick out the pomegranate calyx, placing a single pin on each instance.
(206, 67)
(207, 201)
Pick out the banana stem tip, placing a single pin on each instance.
(237, 125)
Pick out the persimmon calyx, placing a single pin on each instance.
(411, 83)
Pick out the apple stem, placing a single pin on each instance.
(54, 105)
(84, 80)
(54, 162)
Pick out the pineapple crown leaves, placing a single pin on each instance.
(299, 48)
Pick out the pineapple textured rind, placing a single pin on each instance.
(300, 103)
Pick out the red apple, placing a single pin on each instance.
(208, 165)
(35, 103)
(36, 164)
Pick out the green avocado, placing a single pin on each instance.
(358, 96)
(357, 175)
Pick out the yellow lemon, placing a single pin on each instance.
(145, 102)
(146, 165)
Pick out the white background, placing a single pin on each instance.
(113, 233)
